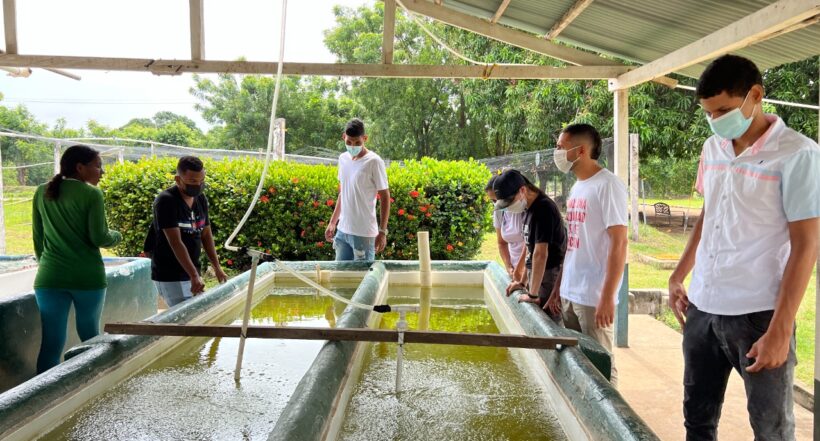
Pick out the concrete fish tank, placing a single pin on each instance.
(142, 387)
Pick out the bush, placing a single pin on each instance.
(443, 197)
(669, 177)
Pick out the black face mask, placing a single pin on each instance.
(193, 190)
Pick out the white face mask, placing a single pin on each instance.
(518, 206)
(354, 150)
(560, 158)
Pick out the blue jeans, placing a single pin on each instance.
(713, 346)
(174, 292)
(54, 305)
(350, 247)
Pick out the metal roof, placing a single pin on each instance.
(644, 30)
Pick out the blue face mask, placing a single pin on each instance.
(354, 150)
(732, 124)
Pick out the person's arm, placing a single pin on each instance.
(384, 205)
(504, 251)
(519, 277)
(615, 261)
(772, 349)
(554, 302)
(330, 230)
(539, 264)
(37, 226)
(98, 230)
(210, 250)
(678, 299)
(174, 237)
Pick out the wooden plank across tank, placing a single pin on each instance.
(334, 334)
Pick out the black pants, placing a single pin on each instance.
(712, 346)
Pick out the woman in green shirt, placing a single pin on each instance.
(68, 219)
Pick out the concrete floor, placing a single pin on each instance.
(650, 378)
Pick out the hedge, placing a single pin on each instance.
(443, 197)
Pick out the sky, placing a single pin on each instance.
(150, 29)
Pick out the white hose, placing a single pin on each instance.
(319, 287)
(271, 133)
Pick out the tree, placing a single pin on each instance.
(19, 151)
(314, 108)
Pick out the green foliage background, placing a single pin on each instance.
(443, 197)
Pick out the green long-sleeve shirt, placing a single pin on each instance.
(68, 234)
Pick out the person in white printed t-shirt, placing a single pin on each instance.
(753, 250)
(362, 181)
(596, 239)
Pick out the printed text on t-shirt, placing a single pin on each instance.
(576, 215)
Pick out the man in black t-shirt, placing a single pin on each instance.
(544, 235)
(179, 230)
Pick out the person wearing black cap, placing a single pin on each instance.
(543, 232)
(507, 232)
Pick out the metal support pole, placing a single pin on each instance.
(247, 315)
(401, 326)
(622, 313)
(2, 211)
(57, 154)
(817, 304)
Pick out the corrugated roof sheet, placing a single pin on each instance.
(645, 30)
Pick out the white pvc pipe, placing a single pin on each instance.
(246, 317)
(425, 270)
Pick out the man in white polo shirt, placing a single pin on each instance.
(752, 250)
(596, 239)
(362, 180)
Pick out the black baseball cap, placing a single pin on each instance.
(506, 185)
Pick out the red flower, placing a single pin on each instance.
(414, 194)
(449, 248)
(264, 199)
(410, 217)
(321, 223)
(428, 214)
(423, 208)
(378, 196)
(302, 234)
(300, 203)
(272, 190)
(141, 254)
(320, 244)
(401, 211)
(259, 244)
(392, 200)
(330, 202)
(229, 262)
(316, 204)
(294, 180)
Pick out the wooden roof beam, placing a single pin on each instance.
(176, 67)
(500, 11)
(197, 18)
(572, 13)
(761, 25)
(389, 32)
(10, 25)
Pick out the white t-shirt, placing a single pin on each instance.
(594, 205)
(510, 225)
(750, 200)
(360, 181)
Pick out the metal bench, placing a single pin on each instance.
(662, 210)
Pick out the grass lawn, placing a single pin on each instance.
(694, 202)
(660, 244)
(17, 209)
